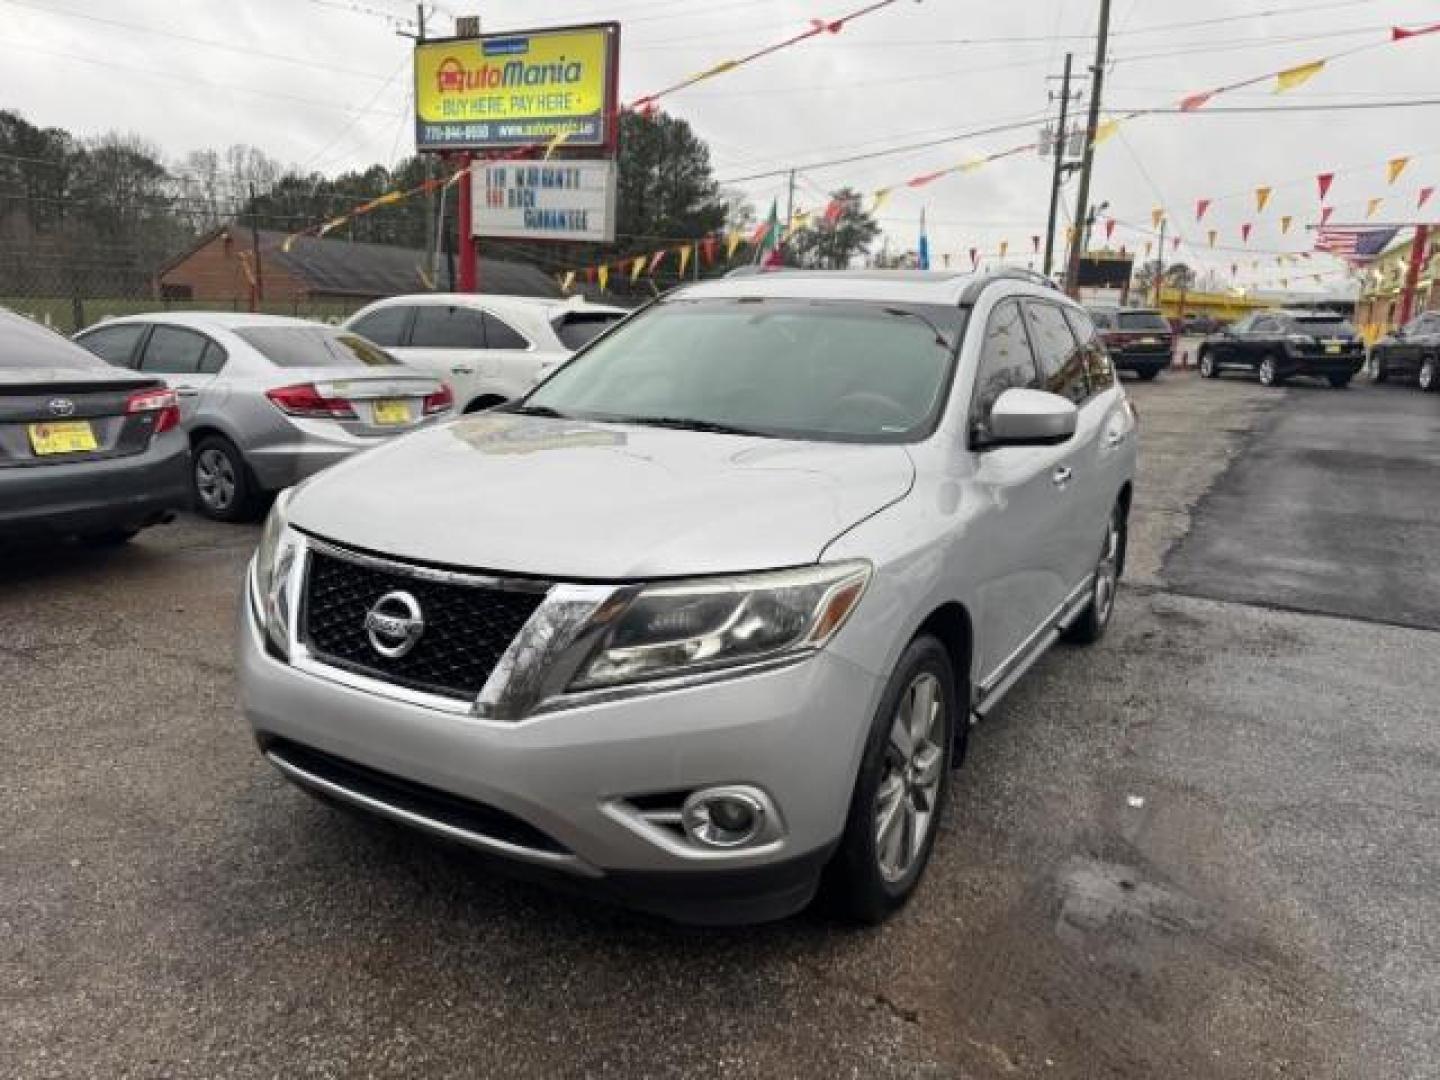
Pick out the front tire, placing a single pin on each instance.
(1429, 379)
(1208, 368)
(1339, 382)
(1378, 372)
(221, 482)
(1089, 627)
(1270, 372)
(1147, 374)
(900, 790)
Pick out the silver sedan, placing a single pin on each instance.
(268, 400)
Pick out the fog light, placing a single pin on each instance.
(723, 817)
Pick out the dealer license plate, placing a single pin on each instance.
(1148, 341)
(63, 437)
(391, 411)
(1332, 347)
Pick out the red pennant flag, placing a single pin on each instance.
(1234, 269)
(1109, 228)
(1325, 179)
(1035, 242)
(974, 257)
(921, 181)
(1425, 193)
(707, 250)
(1194, 101)
(590, 274)
(1325, 212)
(1201, 205)
(1175, 244)
(1399, 33)
(656, 260)
(833, 210)
(1245, 232)
(1122, 249)
(821, 26)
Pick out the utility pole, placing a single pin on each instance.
(1160, 264)
(432, 252)
(1082, 200)
(255, 248)
(789, 214)
(1059, 173)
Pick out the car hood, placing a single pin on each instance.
(577, 500)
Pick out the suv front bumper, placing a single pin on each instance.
(551, 793)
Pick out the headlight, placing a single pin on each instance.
(274, 559)
(685, 627)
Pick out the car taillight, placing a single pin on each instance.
(439, 401)
(303, 399)
(163, 403)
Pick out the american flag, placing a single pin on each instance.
(1356, 246)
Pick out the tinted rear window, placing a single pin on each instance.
(1104, 320)
(576, 328)
(305, 346)
(24, 344)
(1322, 324)
(1143, 320)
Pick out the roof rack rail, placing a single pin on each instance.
(1013, 273)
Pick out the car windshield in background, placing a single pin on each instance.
(854, 372)
(1103, 320)
(1323, 326)
(307, 347)
(1143, 320)
(577, 329)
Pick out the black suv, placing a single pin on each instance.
(1139, 339)
(1411, 352)
(1279, 344)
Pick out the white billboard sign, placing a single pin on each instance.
(545, 200)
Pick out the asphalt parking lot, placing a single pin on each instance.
(1204, 848)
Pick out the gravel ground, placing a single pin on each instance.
(1203, 848)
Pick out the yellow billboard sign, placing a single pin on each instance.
(506, 90)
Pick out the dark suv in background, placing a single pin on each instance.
(1279, 344)
(1139, 339)
(85, 449)
(1411, 351)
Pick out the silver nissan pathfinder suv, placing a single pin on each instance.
(701, 622)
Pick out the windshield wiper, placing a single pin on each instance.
(940, 338)
(534, 410)
(688, 423)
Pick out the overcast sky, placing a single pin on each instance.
(210, 72)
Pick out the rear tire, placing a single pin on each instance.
(1377, 371)
(1429, 379)
(1269, 372)
(900, 790)
(1339, 382)
(1208, 368)
(1147, 374)
(221, 480)
(1089, 626)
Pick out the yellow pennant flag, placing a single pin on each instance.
(288, 242)
(568, 281)
(637, 267)
(1285, 223)
(603, 274)
(1262, 196)
(880, 198)
(1105, 131)
(1156, 216)
(975, 163)
(732, 241)
(558, 138)
(1372, 206)
(1069, 234)
(1298, 76)
(710, 73)
(1211, 234)
(383, 200)
(1004, 247)
(1148, 245)
(684, 259)
(1395, 167)
(333, 223)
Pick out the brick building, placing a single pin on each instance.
(319, 273)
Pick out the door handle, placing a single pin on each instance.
(187, 391)
(1061, 476)
(1114, 438)
(462, 369)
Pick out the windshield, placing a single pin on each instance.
(25, 344)
(1143, 320)
(858, 372)
(314, 346)
(1322, 325)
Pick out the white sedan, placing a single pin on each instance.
(487, 349)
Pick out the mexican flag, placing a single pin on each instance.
(766, 237)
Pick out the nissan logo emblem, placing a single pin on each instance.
(394, 624)
(61, 406)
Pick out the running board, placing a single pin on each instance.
(1008, 674)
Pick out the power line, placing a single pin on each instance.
(1214, 110)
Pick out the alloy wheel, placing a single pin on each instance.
(1267, 372)
(1107, 573)
(905, 800)
(215, 478)
(1427, 375)
(1207, 366)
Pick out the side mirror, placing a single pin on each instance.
(1029, 418)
